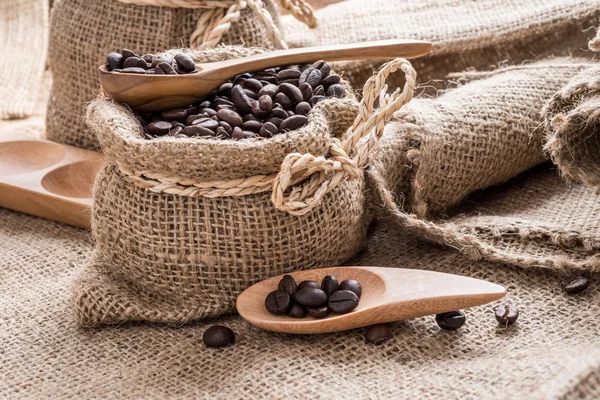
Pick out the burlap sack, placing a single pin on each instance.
(466, 34)
(572, 120)
(182, 226)
(23, 45)
(83, 32)
(476, 136)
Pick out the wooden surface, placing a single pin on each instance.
(159, 92)
(388, 294)
(47, 179)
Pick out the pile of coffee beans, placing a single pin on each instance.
(251, 105)
(506, 315)
(450, 321)
(159, 64)
(308, 298)
(218, 336)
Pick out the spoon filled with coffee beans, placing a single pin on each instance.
(340, 298)
(125, 77)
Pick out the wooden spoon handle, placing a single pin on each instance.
(380, 49)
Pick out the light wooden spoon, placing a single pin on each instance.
(158, 92)
(388, 294)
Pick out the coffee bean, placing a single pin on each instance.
(286, 74)
(225, 89)
(297, 311)
(577, 285)
(292, 92)
(278, 113)
(114, 61)
(308, 284)
(268, 130)
(185, 62)
(252, 126)
(133, 62)
(218, 336)
(228, 128)
(209, 112)
(162, 58)
(278, 302)
(275, 121)
(336, 90)
(265, 103)
(268, 90)
(249, 135)
(175, 114)
(304, 67)
(318, 312)
(252, 95)
(285, 102)
(191, 110)
(231, 117)
(252, 84)
(195, 130)
(450, 321)
(311, 75)
(302, 108)
(331, 80)
(323, 67)
(310, 296)
(377, 334)
(148, 58)
(351, 285)
(159, 128)
(237, 133)
(342, 301)
(240, 99)
(131, 70)
(250, 117)
(257, 112)
(207, 123)
(329, 284)
(307, 91)
(506, 315)
(176, 130)
(222, 101)
(288, 283)
(128, 53)
(319, 91)
(165, 68)
(293, 122)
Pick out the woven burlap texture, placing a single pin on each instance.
(465, 34)
(83, 32)
(23, 45)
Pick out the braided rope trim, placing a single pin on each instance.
(318, 175)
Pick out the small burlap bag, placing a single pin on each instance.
(481, 34)
(182, 226)
(489, 130)
(572, 120)
(83, 32)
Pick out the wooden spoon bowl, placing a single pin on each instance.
(388, 294)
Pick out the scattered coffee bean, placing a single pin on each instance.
(506, 315)
(288, 283)
(318, 312)
(297, 311)
(310, 297)
(342, 301)
(351, 285)
(278, 302)
(577, 285)
(218, 336)
(329, 284)
(377, 334)
(451, 320)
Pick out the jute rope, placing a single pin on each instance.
(319, 175)
(220, 16)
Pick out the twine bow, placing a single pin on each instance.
(304, 179)
(220, 15)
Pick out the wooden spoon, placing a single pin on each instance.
(158, 92)
(388, 294)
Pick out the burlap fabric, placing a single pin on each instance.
(466, 34)
(83, 32)
(23, 45)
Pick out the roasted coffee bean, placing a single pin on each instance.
(228, 128)
(175, 114)
(377, 334)
(275, 121)
(265, 103)
(450, 321)
(310, 296)
(302, 108)
(209, 112)
(506, 315)
(318, 312)
(162, 58)
(231, 117)
(185, 62)
(351, 285)
(292, 92)
(311, 75)
(176, 130)
(240, 99)
(305, 66)
(278, 302)
(249, 135)
(323, 67)
(336, 90)
(131, 70)
(293, 122)
(195, 130)
(308, 284)
(329, 284)
(319, 91)
(218, 336)
(165, 68)
(128, 53)
(307, 91)
(133, 62)
(278, 113)
(237, 133)
(148, 58)
(252, 84)
(159, 128)
(342, 301)
(288, 283)
(225, 89)
(207, 123)
(250, 117)
(252, 95)
(268, 130)
(268, 90)
(256, 111)
(190, 119)
(285, 102)
(222, 101)
(114, 61)
(252, 126)
(293, 82)
(296, 311)
(315, 99)
(286, 74)
(577, 285)
(331, 80)
(191, 110)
